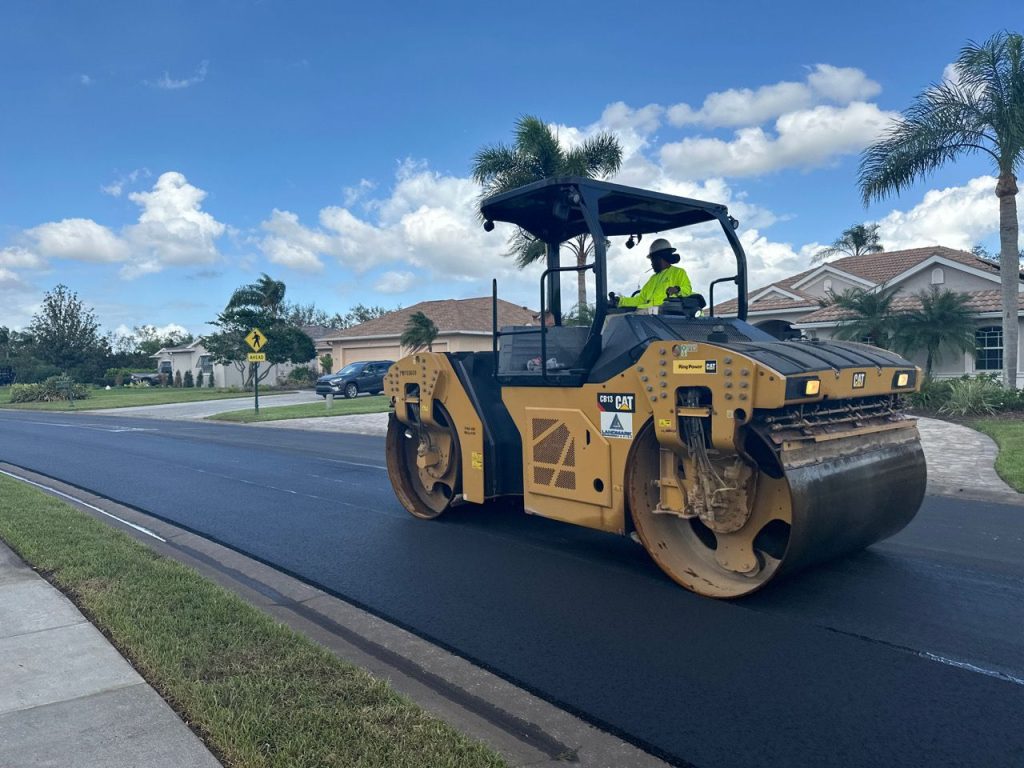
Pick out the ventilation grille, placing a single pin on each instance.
(554, 454)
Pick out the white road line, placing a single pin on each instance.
(972, 668)
(95, 427)
(356, 464)
(84, 504)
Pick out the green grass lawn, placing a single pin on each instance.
(124, 397)
(372, 404)
(260, 694)
(1009, 435)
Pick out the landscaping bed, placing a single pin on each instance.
(123, 397)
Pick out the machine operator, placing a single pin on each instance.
(667, 281)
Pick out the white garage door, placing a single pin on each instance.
(358, 354)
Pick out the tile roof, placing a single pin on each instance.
(876, 268)
(318, 332)
(449, 315)
(977, 301)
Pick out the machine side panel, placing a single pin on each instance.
(503, 450)
(426, 377)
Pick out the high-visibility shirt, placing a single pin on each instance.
(654, 292)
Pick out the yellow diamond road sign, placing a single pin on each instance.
(257, 357)
(256, 339)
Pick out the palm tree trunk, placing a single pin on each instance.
(1009, 270)
(928, 365)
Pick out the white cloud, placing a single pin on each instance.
(802, 139)
(172, 229)
(20, 258)
(429, 220)
(116, 187)
(168, 83)
(86, 80)
(842, 84)
(79, 240)
(395, 282)
(748, 107)
(958, 217)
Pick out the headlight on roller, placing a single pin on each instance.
(803, 387)
(904, 379)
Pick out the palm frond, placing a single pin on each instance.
(539, 147)
(598, 157)
(944, 123)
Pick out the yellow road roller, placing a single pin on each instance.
(732, 455)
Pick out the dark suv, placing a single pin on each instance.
(355, 378)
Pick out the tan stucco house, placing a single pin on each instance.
(464, 325)
(791, 307)
(194, 357)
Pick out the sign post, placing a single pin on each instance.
(256, 341)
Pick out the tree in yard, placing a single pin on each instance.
(199, 380)
(980, 111)
(871, 317)
(326, 362)
(419, 332)
(942, 322)
(177, 379)
(187, 381)
(66, 334)
(538, 155)
(258, 305)
(858, 240)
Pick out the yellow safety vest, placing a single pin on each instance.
(654, 292)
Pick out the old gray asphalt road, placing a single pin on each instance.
(909, 654)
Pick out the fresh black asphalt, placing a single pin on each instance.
(908, 654)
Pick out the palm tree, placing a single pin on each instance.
(855, 241)
(537, 155)
(872, 318)
(943, 321)
(266, 293)
(419, 332)
(982, 111)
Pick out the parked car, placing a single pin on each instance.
(354, 378)
(148, 379)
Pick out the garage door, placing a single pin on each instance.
(358, 354)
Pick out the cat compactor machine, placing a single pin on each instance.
(734, 456)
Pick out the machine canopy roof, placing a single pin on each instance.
(547, 211)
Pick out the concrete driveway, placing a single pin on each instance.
(203, 408)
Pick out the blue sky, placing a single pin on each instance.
(156, 156)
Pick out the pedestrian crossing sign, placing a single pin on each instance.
(255, 339)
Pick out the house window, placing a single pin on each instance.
(988, 348)
(206, 363)
(827, 285)
(938, 278)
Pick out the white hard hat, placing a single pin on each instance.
(663, 248)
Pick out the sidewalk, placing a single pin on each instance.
(67, 697)
(961, 463)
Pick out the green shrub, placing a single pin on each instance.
(26, 393)
(326, 362)
(177, 379)
(970, 397)
(187, 381)
(933, 395)
(117, 376)
(53, 389)
(210, 382)
(302, 374)
(199, 380)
